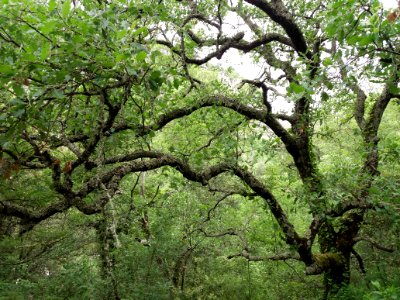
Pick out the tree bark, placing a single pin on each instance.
(108, 241)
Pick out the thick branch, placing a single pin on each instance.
(359, 105)
(34, 216)
(261, 115)
(243, 45)
(324, 262)
(282, 256)
(291, 236)
(376, 113)
(373, 243)
(202, 18)
(158, 160)
(279, 14)
(217, 53)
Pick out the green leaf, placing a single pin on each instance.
(52, 5)
(58, 94)
(324, 96)
(155, 54)
(6, 69)
(49, 26)
(65, 9)
(120, 57)
(327, 61)
(143, 31)
(18, 90)
(394, 89)
(141, 56)
(296, 88)
(366, 40)
(353, 40)
(121, 33)
(45, 51)
(177, 83)
(18, 113)
(331, 28)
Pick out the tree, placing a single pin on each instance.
(97, 91)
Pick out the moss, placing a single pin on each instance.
(324, 262)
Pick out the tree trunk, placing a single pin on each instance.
(336, 248)
(108, 241)
(178, 276)
(337, 277)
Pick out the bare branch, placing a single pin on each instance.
(282, 256)
(202, 18)
(8, 208)
(218, 53)
(292, 237)
(359, 105)
(373, 243)
(277, 11)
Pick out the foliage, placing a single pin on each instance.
(134, 167)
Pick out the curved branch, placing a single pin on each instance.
(217, 53)
(361, 97)
(33, 216)
(243, 45)
(265, 39)
(292, 237)
(277, 11)
(282, 256)
(359, 260)
(373, 243)
(158, 159)
(376, 113)
(262, 115)
(202, 18)
(153, 160)
(249, 112)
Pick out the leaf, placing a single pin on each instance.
(52, 5)
(66, 7)
(141, 56)
(327, 61)
(324, 97)
(58, 94)
(296, 88)
(177, 83)
(6, 69)
(49, 26)
(143, 30)
(394, 89)
(18, 90)
(121, 33)
(154, 55)
(155, 74)
(18, 113)
(353, 40)
(331, 29)
(366, 40)
(45, 51)
(120, 57)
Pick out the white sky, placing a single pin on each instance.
(247, 69)
(389, 3)
(244, 65)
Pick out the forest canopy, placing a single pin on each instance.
(135, 165)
